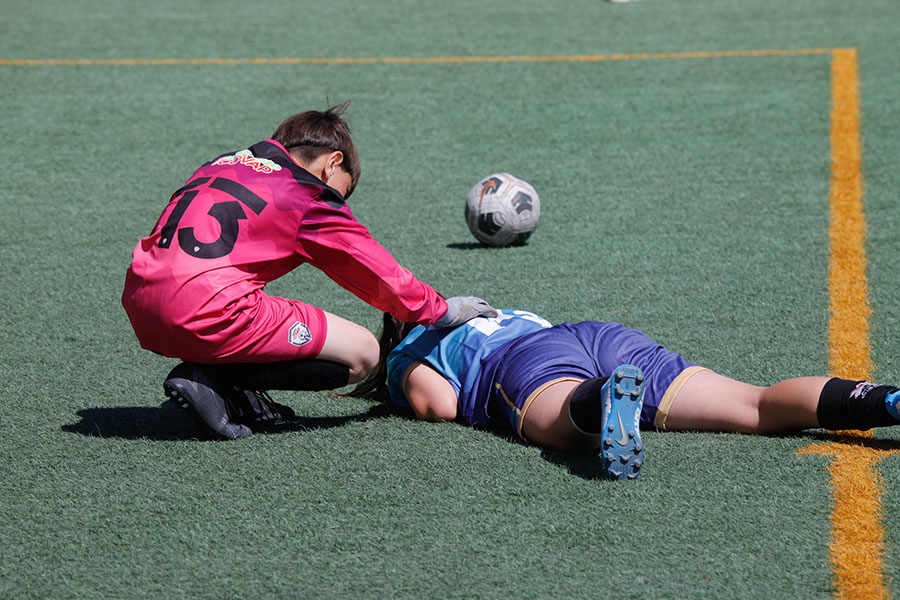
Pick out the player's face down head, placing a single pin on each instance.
(313, 133)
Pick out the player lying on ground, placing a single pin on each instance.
(194, 290)
(590, 385)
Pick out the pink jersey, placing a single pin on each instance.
(241, 221)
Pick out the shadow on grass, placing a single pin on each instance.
(853, 438)
(168, 422)
(587, 465)
(466, 246)
(479, 246)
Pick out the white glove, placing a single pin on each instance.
(463, 308)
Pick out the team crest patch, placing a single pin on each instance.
(299, 334)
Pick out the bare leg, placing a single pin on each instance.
(547, 421)
(350, 344)
(709, 401)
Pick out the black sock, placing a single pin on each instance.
(585, 406)
(310, 375)
(847, 404)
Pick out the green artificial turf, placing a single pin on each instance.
(687, 197)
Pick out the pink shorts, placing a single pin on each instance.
(264, 329)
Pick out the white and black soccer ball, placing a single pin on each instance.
(502, 210)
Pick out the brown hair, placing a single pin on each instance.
(392, 333)
(313, 133)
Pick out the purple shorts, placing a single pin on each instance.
(512, 373)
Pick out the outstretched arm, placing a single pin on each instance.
(431, 397)
(333, 241)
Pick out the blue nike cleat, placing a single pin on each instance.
(622, 397)
(891, 402)
(192, 389)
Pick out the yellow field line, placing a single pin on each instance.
(857, 545)
(848, 329)
(408, 60)
(857, 535)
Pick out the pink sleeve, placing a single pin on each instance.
(332, 240)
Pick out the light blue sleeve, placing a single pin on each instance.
(397, 364)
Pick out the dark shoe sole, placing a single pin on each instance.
(191, 389)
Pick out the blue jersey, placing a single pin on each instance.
(457, 354)
(496, 366)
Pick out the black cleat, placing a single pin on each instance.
(258, 407)
(194, 391)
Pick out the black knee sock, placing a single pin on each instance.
(585, 405)
(846, 404)
(312, 375)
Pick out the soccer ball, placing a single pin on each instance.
(502, 210)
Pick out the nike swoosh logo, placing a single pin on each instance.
(624, 439)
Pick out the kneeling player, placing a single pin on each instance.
(194, 290)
